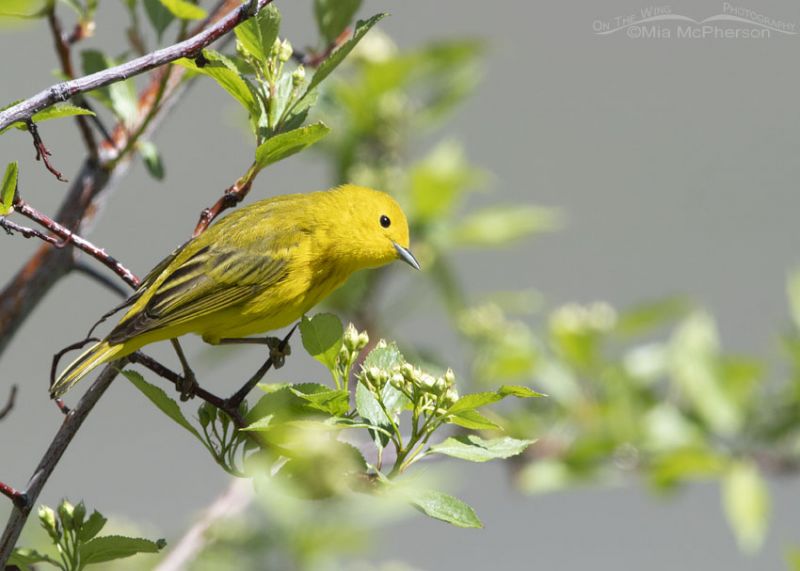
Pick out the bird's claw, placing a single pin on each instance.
(278, 351)
(187, 386)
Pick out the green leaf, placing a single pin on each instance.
(224, 72)
(476, 400)
(500, 225)
(333, 402)
(111, 547)
(473, 420)
(92, 527)
(159, 398)
(184, 10)
(746, 500)
(385, 356)
(440, 180)
(691, 462)
(23, 558)
(53, 112)
(645, 317)
(368, 408)
(333, 16)
(258, 34)
(160, 18)
(121, 96)
(322, 337)
(333, 61)
(476, 449)
(519, 391)
(283, 145)
(152, 159)
(695, 366)
(445, 507)
(26, 9)
(8, 188)
(58, 111)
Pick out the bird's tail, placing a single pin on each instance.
(93, 357)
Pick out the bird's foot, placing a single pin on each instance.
(187, 386)
(278, 351)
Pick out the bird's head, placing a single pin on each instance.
(374, 227)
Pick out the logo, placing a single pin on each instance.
(661, 23)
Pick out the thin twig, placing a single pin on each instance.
(72, 422)
(101, 278)
(41, 151)
(232, 502)
(82, 244)
(12, 398)
(177, 379)
(18, 498)
(63, 49)
(188, 48)
(11, 227)
(234, 401)
(315, 59)
(232, 196)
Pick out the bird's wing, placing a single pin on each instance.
(210, 280)
(148, 280)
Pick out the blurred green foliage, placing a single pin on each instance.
(646, 391)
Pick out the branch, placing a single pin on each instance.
(232, 196)
(63, 91)
(232, 502)
(11, 227)
(72, 422)
(41, 151)
(62, 45)
(81, 243)
(9, 403)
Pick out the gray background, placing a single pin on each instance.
(673, 160)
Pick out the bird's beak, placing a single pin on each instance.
(406, 256)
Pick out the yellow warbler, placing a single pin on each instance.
(257, 269)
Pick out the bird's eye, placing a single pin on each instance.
(385, 222)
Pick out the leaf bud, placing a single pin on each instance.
(408, 372)
(298, 76)
(285, 51)
(350, 337)
(47, 517)
(427, 382)
(79, 514)
(450, 397)
(65, 511)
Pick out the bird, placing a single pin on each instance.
(258, 269)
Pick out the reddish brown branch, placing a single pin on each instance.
(82, 244)
(72, 422)
(11, 227)
(12, 398)
(41, 151)
(188, 48)
(19, 499)
(231, 197)
(62, 45)
(49, 264)
(315, 59)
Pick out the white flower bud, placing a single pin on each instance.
(298, 77)
(285, 51)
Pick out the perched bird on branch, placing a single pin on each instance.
(257, 269)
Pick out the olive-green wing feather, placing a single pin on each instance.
(211, 279)
(148, 280)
